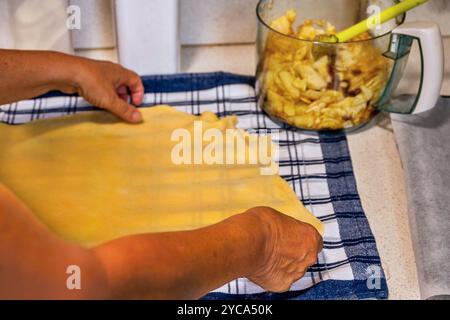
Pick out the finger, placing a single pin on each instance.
(293, 268)
(295, 263)
(300, 264)
(298, 275)
(281, 287)
(317, 244)
(317, 237)
(286, 264)
(311, 259)
(320, 247)
(320, 243)
(304, 263)
(125, 111)
(123, 93)
(134, 84)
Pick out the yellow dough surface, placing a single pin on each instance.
(92, 178)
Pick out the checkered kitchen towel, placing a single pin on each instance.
(317, 166)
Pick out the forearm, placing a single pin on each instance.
(183, 265)
(33, 261)
(105, 85)
(27, 74)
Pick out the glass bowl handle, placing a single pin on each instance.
(428, 36)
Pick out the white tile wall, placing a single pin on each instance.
(217, 21)
(234, 21)
(34, 24)
(202, 22)
(6, 39)
(97, 25)
(99, 54)
(147, 35)
(435, 10)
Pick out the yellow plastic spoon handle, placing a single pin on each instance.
(384, 16)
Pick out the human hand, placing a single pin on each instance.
(105, 85)
(291, 247)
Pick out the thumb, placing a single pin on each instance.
(125, 111)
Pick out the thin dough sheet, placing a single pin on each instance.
(92, 178)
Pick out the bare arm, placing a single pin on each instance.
(27, 74)
(268, 247)
(184, 265)
(271, 249)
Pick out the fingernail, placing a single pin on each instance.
(137, 99)
(136, 117)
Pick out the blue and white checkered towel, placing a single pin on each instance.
(317, 166)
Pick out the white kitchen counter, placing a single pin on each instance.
(376, 162)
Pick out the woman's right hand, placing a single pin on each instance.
(291, 247)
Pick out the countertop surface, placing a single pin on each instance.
(376, 162)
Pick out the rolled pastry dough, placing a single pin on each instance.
(92, 178)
